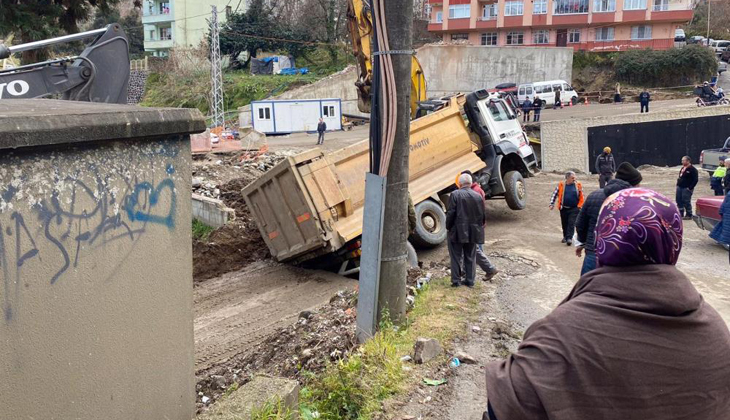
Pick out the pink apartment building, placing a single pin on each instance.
(591, 25)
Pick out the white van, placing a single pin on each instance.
(719, 46)
(546, 92)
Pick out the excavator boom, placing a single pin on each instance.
(360, 24)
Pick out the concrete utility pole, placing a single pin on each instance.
(393, 269)
(709, 6)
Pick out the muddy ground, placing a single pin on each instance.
(252, 314)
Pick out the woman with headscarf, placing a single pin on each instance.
(634, 340)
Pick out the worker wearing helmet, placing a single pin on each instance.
(605, 166)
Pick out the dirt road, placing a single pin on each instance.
(238, 310)
(522, 294)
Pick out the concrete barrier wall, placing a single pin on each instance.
(211, 212)
(464, 68)
(95, 261)
(565, 143)
(449, 69)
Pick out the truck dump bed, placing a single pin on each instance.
(311, 204)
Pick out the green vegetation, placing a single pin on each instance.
(201, 231)
(584, 59)
(193, 91)
(354, 388)
(271, 411)
(672, 67)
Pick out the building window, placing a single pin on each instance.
(641, 32)
(567, 7)
(604, 34)
(574, 36)
(264, 113)
(604, 6)
(439, 17)
(165, 34)
(489, 38)
(459, 37)
(539, 7)
(540, 37)
(513, 8)
(515, 38)
(328, 111)
(489, 12)
(661, 5)
(459, 11)
(634, 4)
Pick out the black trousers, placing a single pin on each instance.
(684, 201)
(567, 217)
(463, 255)
(320, 140)
(603, 179)
(537, 116)
(645, 106)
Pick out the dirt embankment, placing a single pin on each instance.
(239, 243)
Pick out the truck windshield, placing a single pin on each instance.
(498, 110)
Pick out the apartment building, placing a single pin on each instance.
(590, 25)
(181, 23)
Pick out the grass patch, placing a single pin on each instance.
(354, 388)
(201, 231)
(271, 411)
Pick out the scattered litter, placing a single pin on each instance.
(476, 329)
(465, 358)
(406, 358)
(455, 363)
(434, 382)
(205, 400)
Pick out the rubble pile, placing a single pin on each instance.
(316, 339)
(239, 243)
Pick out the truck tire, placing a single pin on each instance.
(516, 193)
(574, 100)
(430, 225)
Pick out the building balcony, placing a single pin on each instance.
(459, 24)
(603, 17)
(156, 16)
(435, 2)
(671, 15)
(435, 26)
(570, 19)
(157, 43)
(486, 22)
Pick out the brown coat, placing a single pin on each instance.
(629, 343)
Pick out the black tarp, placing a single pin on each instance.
(262, 66)
(659, 143)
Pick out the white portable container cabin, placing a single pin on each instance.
(292, 116)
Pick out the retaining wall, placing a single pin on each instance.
(95, 261)
(565, 144)
(210, 211)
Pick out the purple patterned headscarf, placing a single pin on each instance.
(638, 226)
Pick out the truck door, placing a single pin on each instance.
(503, 125)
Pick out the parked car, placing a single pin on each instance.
(697, 40)
(707, 213)
(719, 46)
(710, 158)
(725, 56)
(721, 67)
(546, 92)
(505, 87)
(679, 36)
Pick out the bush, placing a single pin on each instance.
(585, 59)
(673, 67)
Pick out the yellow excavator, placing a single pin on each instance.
(360, 23)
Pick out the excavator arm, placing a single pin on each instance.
(99, 74)
(359, 19)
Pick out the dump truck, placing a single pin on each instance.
(310, 207)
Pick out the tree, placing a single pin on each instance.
(719, 20)
(258, 29)
(33, 20)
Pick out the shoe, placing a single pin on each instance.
(455, 285)
(491, 275)
(687, 217)
(569, 242)
(469, 285)
(563, 241)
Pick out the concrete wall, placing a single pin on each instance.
(210, 211)
(95, 262)
(464, 68)
(565, 143)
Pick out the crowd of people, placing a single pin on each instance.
(634, 339)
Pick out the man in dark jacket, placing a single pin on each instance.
(537, 107)
(605, 166)
(644, 99)
(526, 109)
(321, 128)
(585, 227)
(465, 221)
(688, 178)
(558, 102)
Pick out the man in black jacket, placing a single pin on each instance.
(626, 177)
(321, 128)
(688, 178)
(605, 166)
(465, 221)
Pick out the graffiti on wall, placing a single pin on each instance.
(59, 209)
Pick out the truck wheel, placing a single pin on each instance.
(516, 194)
(430, 225)
(574, 100)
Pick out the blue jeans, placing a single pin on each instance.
(589, 262)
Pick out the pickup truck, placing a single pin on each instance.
(707, 212)
(309, 208)
(710, 158)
